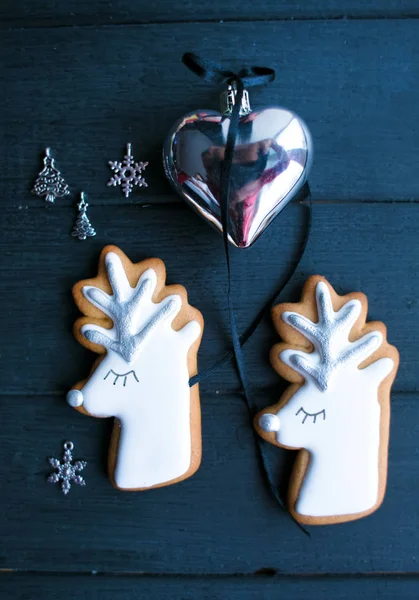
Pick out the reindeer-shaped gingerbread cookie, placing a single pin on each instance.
(148, 338)
(337, 409)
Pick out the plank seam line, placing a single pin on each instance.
(276, 575)
(14, 26)
(179, 202)
(217, 392)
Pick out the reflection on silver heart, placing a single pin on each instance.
(271, 161)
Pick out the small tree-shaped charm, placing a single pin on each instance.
(50, 183)
(83, 228)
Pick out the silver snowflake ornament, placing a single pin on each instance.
(128, 173)
(66, 471)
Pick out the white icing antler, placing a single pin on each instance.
(129, 309)
(330, 337)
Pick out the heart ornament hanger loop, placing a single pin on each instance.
(271, 161)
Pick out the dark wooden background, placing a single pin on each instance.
(87, 77)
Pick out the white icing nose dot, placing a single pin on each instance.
(269, 422)
(75, 398)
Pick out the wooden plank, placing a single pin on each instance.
(368, 247)
(222, 520)
(88, 587)
(27, 13)
(87, 91)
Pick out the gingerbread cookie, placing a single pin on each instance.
(336, 411)
(148, 338)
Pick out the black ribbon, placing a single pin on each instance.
(212, 73)
(304, 197)
(246, 77)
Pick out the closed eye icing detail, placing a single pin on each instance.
(312, 415)
(121, 375)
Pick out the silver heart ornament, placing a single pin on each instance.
(271, 162)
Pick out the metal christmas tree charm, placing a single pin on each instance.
(50, 184)
(83, 228)
(66, 471)
(128, 173)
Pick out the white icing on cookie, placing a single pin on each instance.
(335, 415)
(143, 380)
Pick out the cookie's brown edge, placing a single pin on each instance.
(293, 339)
(94, 315)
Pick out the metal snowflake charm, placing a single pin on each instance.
(128, 173)
(66, 471)
(50, 183)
